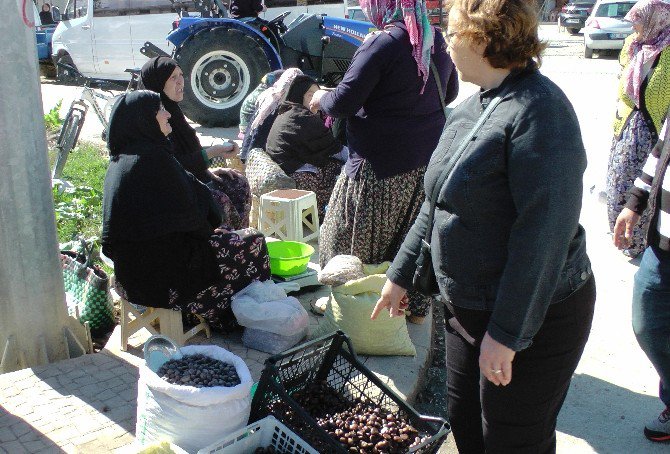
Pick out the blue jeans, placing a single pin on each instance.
(651, 314)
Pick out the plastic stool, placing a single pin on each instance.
(169, 321)
(289, 214)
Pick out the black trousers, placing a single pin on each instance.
(520, 417)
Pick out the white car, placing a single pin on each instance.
(606, 28)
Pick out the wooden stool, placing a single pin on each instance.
(169, 322)
(290, 214)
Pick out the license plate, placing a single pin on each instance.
(572, 21)
(618, 35)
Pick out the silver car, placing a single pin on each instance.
(606, 28)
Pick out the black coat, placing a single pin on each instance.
(299, 137)
(157, 218)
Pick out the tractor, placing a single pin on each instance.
(224, 59)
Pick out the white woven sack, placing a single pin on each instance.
(191, 417)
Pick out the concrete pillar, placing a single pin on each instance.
(34, 324)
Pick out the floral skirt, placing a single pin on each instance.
(233, 196)
(627, 157)
(369, 218)
(242, 257)
(321, 183)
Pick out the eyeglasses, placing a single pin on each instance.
(450, 36)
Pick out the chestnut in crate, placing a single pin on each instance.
(337, 405)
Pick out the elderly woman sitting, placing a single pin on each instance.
(229, 187)
(302, 145)
(159, 222)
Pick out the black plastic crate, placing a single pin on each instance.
(332, 359)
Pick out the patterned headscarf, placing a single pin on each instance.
(270, 98)
(654, 17)
(413, 13)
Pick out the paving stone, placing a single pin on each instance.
(63, 435)
(75, 373)
(86, 380)
(113, 383)
(35, 445)
(29, 436)
(129, 395)
(6, 435)
(14, 447)
(106, 394)
(20, 429)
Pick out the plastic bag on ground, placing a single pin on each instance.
(272, 343)
(190, 417)
(265, 306)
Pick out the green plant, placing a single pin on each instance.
(78, 211)
(79, 208)
(52, 119)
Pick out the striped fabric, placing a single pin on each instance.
(653, 187)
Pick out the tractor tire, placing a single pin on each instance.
(573, 31)
(63, 76)
(221, 67)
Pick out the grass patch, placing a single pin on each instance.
(79, 209)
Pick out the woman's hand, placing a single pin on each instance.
(315, 103)
(623, 228)
(226, 150)
(394, 298)
(495, 361)
(218, 173)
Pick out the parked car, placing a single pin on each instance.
(606, 28)
(103, 38)
(355, 13)
(574, 14)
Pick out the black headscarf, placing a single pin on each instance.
(298, 87)
(187, 148)
(147, 193)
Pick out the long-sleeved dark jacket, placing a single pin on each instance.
(298, 137)
(390, 122)
(506, 234)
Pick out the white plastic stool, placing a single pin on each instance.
(169, 321)
(289, 214)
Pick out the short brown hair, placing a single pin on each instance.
(508, 28)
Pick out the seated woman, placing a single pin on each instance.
(250, 106)
(159, 222)
(229, 188)
(257, 132)
(302, 145)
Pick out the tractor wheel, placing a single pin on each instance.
(63, 76)
(573, 31)
(221, 67)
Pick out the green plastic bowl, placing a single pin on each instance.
(288, 258)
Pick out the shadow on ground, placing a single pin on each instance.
(591, 400)
(17, 435)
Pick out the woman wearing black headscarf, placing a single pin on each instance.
(302, 145)
(159, 222)
(229, 187)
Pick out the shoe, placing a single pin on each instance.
(659, 428)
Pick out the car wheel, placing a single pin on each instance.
(573, 31)
(64, 76)
(221, 68)
(588, 52)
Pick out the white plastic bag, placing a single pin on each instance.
(272, 343)
(191, 417)
(265, 306)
